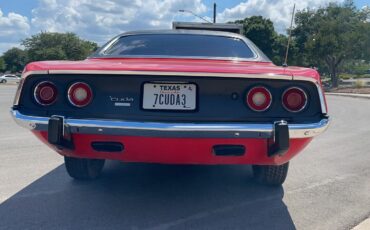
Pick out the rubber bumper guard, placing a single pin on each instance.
(280, 140)
(57, 134)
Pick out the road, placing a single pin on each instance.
(328, 185)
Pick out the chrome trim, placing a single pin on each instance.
(161, 129)
(152, 73)
(18, 92)
(255, 59)
(322, 99)
(170, 73)
(268, 106)
(319, 90)
(305, 96)
(21, 83)
(192, 74)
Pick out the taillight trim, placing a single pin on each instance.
(266, 107)
(36, 93)
(72, 88)
(305, 98)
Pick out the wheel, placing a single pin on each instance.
(3, 81)
(273, 175)
(83, 169)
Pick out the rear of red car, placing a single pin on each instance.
(172, 110)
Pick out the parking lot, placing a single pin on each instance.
(327, 186)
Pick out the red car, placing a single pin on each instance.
(173, 97)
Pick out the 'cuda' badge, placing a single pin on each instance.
(122, 101)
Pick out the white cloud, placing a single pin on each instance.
(101, 20)
(13, 28)
(279, 11)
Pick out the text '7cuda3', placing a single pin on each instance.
(173, 97)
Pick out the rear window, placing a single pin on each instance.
(181, 45)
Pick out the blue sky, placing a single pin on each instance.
(24, 7)
(99, 20)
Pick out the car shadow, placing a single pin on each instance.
(148, 196)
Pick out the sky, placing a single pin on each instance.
(100, 20)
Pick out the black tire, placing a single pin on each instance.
(273, 175)
(3, 81)
(83, 169)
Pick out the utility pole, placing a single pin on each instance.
(214, 12)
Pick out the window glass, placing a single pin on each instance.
(179, 45)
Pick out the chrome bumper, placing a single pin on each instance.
(161, 129)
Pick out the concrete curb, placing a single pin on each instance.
(354, 95)
(364, 225)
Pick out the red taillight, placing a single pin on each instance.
(45, 93)
(294, 99)
(259, 98)
(80, 94)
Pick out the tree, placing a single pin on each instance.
(2, 64)
(330, 35)
(279, 48)
(261, 31)
(15, 59)
(57, 46)
(365, 39)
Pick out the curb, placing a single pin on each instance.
(354, 95)
(364, 225)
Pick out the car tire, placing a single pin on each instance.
(272, 175)
(83, 169)
(3, 81)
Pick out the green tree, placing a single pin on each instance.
(15, 59)
(331, 35)
(2, 64)
(262, 33)
(279, 48)
(301, 34)
(57, 46)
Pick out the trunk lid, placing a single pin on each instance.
(161, 64)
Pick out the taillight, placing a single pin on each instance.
(80, 94)
(294, 99)
(45, 93)
(259, 98)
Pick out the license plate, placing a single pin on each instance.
(169, 96)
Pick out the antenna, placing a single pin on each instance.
(214, 12)
(196, 15)
(285, 64)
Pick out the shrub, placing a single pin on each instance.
(360, 83)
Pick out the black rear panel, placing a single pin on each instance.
(218, 99)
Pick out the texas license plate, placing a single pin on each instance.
(169, 96)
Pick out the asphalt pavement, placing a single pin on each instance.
(328, 185)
